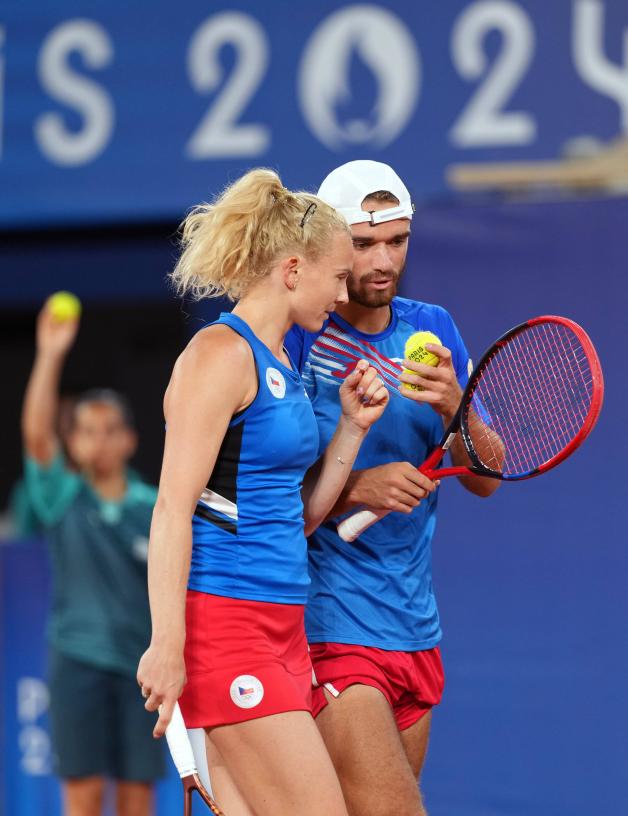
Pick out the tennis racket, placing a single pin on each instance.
(533, 398)
(183, 758)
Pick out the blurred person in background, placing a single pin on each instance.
(371, 618)
(96, 517)
(242, 483)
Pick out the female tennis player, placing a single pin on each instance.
(239, 491)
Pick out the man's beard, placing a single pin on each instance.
(373, 298)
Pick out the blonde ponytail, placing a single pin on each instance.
(232, 242)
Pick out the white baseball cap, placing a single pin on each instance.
(346, 187)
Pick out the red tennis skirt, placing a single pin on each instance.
(244, 660)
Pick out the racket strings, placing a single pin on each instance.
(548, 402)
(533, 402)
(531, 399)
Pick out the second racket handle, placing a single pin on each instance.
(179, 744)
(353, 526)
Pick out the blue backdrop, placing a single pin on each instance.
(531, 583)
(112, 111)
(533, 594)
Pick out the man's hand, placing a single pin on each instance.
(440, 385)
(442, 391)
(55, 337)
(397, 486)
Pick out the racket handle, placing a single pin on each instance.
(353, 526)
(179, 744)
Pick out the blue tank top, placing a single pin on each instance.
(247, 530)
(377, 590)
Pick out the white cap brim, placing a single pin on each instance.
(346, 187)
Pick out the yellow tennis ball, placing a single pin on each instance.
(415, 350)
(64, 306)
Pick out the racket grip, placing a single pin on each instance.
(179, 744)
(353, 526)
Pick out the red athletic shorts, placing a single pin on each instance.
(412, 682)
(243, 660)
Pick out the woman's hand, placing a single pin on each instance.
(161, 677)
(363, 396)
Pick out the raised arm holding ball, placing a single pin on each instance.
(371, 619)
(96, 519)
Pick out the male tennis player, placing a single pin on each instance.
(371, 619)
(97, 519)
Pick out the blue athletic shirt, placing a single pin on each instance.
(247, 530)
(376, 591)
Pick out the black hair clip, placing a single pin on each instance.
(308, 214)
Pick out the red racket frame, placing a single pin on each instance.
(429, 466)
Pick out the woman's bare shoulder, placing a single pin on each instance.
(216, 354)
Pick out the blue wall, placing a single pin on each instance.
(127, 111)
(531, 582)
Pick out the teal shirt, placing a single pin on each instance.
(99, 548)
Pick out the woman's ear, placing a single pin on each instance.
(290, 270)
